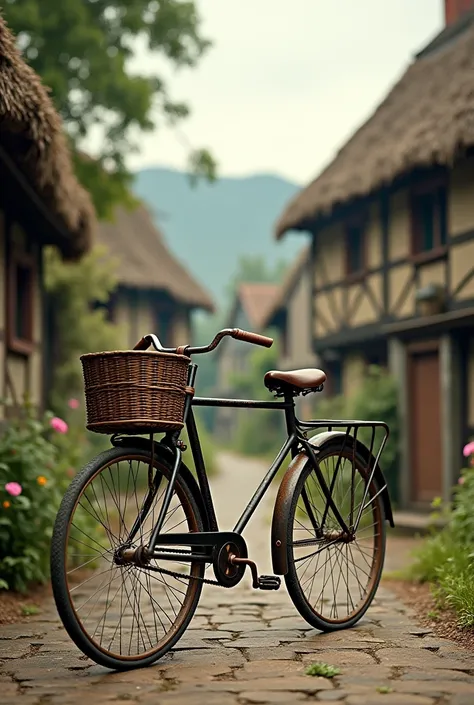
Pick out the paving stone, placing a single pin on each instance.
(249, 643)
(190, 674)
(206, 634)
(388, 699)
(439, 674)
(240, 627)
(433, 688)
(299, 684)
(339, 658)
(281, 635)
(212, 657)
(355, 674)
(14, 649)
(461, 699)
(18, 631)
(277, 653)
(419, 631)
(265, 669)
(418, 658)
(271, 697)
(332, 696)
(291, 623)
(232, 619)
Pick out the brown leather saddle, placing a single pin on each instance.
(295, 381)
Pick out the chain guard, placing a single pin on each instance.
(225, 543)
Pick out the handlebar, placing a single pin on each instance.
(244, 335)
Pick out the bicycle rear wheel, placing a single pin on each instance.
(332, 582)
(122, 616)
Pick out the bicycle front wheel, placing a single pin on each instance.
(332, 581)
(122, 615)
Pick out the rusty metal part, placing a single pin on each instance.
(281, 512)
(234, 560)
(128, 555)
(279, 534)
(227, 572)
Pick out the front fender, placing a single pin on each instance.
(288, 486)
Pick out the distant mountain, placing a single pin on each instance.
(210, 226)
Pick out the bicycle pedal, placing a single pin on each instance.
(268, 582)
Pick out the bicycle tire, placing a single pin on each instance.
(334, 448)
(59, 546)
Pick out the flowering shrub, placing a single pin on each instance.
(37, 460)
(445, 559)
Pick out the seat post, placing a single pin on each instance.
(290, 417)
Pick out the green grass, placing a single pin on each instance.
(322, 669)
(384, 689)
(29, 610)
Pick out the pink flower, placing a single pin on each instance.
(468, 449)
(461, 480)
(70, 472)
(73, 403)
(59, 425)
(13, 488)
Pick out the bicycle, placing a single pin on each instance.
(134, 537)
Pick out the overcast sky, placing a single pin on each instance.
(288, 81)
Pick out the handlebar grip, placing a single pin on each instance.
(253, 338)
(143, 344)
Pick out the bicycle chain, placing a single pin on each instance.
(173, 574)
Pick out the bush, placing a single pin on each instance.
(445, 558)
(377, 400)
(38, 457)
(29, 498)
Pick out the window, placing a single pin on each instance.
(20, 303)
(355, 249)
(429, 220)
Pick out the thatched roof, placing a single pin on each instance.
(255, 300)
(32, 137)
(284, 291)
(426, 119)
(145, 261)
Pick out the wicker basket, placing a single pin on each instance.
(134, 391)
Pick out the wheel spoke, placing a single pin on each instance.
(126, 611)
(336, 579)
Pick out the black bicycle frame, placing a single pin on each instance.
(296, 441)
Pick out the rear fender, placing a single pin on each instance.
(288, 486)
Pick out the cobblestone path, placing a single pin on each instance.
(245, 646)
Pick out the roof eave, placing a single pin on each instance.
(57, 233)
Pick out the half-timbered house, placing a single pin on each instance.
(288, 317)
(392, 255)
(41, 203)
(155, 293)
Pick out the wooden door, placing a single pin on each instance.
(425, 426)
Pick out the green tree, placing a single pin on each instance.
(82, 50)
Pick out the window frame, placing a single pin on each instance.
(16, 259)
(359, 222)
(431, 186)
